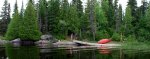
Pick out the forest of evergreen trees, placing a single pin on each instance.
(60, 18)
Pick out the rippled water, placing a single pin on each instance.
(34, 52)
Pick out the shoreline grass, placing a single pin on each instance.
(136, 45)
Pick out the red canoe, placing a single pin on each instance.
(104, 41)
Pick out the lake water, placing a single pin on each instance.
(34, 52)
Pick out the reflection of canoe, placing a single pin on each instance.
(104, 50)
(104, 41)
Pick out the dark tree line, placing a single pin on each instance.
(99, 19)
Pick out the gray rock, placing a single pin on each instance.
(16, 42)
(50, 38)
(2, 42)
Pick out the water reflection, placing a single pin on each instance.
(33, 52)
(22, 52)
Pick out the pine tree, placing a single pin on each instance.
(63, 18)
(92, 19)
(144, 32)
(144, 6)
(135, 22)
(110, 16)
(79, 6)
(28, 29)
(133, 6)
(120, 17)
(53, 16)
(74, 21)
(22, 12)
(116, 16)
(5, 15)
(108, 9)
(105, 6)
(13, 28)
(85, 23)
(127, 22)
(101, 22)
(42, 14)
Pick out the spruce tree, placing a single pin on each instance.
(74, 21)
(22, 12)
(53, 16)
(120, 16)
(28, 29)
(13, 28)
(43, 14)
(144, 32)
(134, 13)
(116, 16)
(133, 6)
(5, 15)
(101, 22)
(127, 22)
(85, 23)
(110, 16)
(108, 9)
(63, 18)
(79, 6)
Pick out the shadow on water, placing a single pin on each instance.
(22, 52)
(34, 52)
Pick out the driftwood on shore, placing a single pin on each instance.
(95, 44)
(76, 43)
(72, 43)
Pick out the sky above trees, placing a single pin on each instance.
(12, 2)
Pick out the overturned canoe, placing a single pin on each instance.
(104, 41)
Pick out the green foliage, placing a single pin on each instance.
(127, 22)
(108, 9)
(73, 21)
(28, 29)
(102, 34)
(101, 22)
(61, 18)
(85, 23)
(5, 17)
(78, 4)
(2, 38)
(100, 17)
(13, 28)
(135, 45)
(53, 16)
(42, 14)
(22, 12)
(116, 37)
(130, 38)
(144, 32)
(22, 52)
(133, 6)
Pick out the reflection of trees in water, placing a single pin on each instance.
(2, 53)
(95, 54)
(32, 52)
(136, 54)
(22, 52)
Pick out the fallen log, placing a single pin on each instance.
(95, 44)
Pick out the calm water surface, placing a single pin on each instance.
(34, 52)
